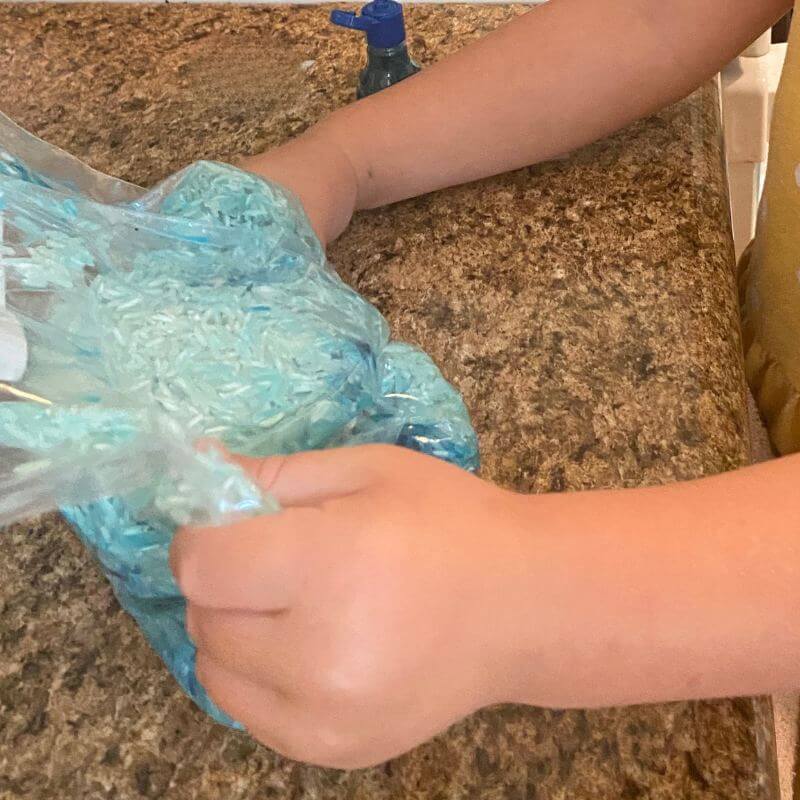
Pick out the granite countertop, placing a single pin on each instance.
(585, 308)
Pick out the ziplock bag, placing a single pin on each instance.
(203, 307)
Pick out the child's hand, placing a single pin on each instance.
(395, 594)
(366, 616)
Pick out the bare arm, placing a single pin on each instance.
(394, 594)
(682, 591)
(558, 77)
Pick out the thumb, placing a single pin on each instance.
(310, 477)
(258, 563)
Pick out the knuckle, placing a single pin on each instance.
(345, 682)
(273, 740)
(330, 747)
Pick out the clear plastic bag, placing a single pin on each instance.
(201, 308)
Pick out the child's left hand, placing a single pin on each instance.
(367, 615)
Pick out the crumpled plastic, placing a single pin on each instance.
(202, 308)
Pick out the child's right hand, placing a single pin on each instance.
(377, 608)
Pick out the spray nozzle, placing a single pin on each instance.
(381, 20)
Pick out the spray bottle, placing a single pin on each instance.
(388, 61)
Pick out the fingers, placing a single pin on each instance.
(283, 726)
(257, 564)
(311, 477)
(247, 703)
(250, 644)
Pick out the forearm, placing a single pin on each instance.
(684, 591)
(554, 79)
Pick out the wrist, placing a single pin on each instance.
(336, 133)
(517, 609)
(556, 602)
(319, 173)
(633, 596)
(331, 160)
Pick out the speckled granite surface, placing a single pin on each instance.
(586, 309)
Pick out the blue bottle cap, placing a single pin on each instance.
(382, 20)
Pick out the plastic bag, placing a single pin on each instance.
(201, 308)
